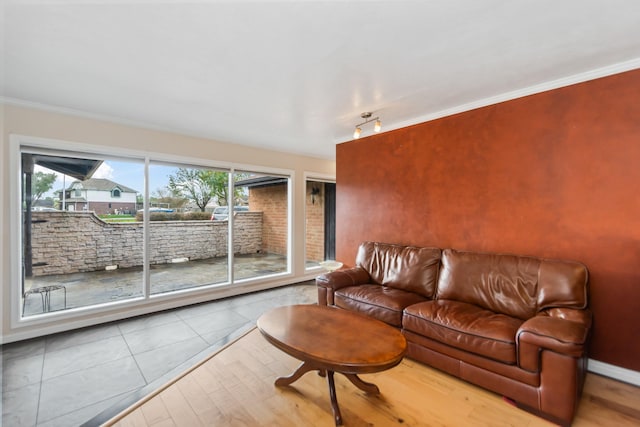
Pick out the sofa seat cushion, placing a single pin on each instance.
(465, 326)
(381, 302)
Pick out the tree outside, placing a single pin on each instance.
(163, 197)
(41, 183)
(202, 186)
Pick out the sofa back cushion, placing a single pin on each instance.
(401, 267)
(563, 284)
(517, 286)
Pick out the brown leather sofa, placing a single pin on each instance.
(516, 325)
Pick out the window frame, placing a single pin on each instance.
(96, 314)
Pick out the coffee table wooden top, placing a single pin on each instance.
(334, 339)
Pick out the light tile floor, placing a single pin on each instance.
(80, 377)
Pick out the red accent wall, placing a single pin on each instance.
(555, 174)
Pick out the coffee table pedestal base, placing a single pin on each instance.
(355, 380)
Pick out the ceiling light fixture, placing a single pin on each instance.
(367, 119)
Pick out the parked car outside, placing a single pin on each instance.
(222, 212)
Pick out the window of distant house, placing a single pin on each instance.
(115, 193)
(77, 193)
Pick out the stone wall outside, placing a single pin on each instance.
(71, 242)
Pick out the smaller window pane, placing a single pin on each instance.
(319, 222)
(260, 225)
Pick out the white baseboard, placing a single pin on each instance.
(615, 372)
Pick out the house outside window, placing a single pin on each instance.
(100, 195)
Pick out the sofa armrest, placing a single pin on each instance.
(328, 283)
(575, 315)
(564, 331)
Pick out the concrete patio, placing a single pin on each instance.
(97, 287)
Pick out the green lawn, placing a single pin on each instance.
(117, 218)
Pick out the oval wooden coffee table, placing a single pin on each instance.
(329, 339)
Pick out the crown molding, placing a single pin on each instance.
(17, 102)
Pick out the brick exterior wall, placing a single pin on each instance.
(272, 202)
(71, 242)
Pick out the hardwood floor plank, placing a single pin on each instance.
(179, 409)
(236, 388)
(619, 393)
(197, 398)
(165, 423)
(135, 419)
(432, 405)
(155, 412)
(299, 407)
(208, 381)
(233, 412)
(212, 417)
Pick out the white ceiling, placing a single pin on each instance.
(295, 75)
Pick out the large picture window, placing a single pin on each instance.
(100, 229)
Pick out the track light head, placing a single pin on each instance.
(367, 119)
